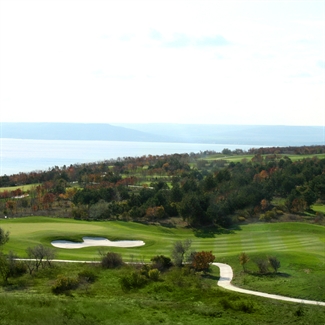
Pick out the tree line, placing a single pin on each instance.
(201, 191)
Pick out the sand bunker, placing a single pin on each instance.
(96, 241)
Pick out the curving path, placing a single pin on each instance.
(226, 275)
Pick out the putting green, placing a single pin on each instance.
(292, 238)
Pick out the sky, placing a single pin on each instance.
(207, 62)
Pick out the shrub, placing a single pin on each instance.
(111, 260)
(201, 260)
(87, 276)
(262, 265)
(161, 262)
(63, 284)
(145, 270)
(275, 263)
(154, 274)
(133, 280)
(18, 269)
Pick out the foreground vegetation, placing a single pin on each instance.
(177, 298)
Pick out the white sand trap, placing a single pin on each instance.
(96, 241)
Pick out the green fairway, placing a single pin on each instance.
(253, 238)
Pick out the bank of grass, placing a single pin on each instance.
(178, 298)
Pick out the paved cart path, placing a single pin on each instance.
(226, 275)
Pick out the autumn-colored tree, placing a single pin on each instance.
(11, 205)
(264, 204)
(201, 260)
(17, 192)
(298, 205)
(155, 212)
(47, 200)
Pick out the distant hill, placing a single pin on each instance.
(270, 135)
(75, 131)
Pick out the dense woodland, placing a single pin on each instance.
(203, 189)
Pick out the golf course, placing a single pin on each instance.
(298, 246)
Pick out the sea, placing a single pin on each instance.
(24, 155)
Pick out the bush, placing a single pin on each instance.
(18, 269)
(133, 280)
(154, 274)
(202, 260)
(262, 265)
(112, 260)
(87, 276)
(63, 284)
(161, 262)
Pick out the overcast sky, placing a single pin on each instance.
(217, 62)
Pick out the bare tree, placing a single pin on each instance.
(39, 256)
(180, 248)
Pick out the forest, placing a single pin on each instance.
(206, 189)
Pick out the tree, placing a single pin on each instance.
(201, 260)
(180, 248)
(4, 236)
(243, 259)
(11, 205)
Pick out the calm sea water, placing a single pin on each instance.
(29, 155)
